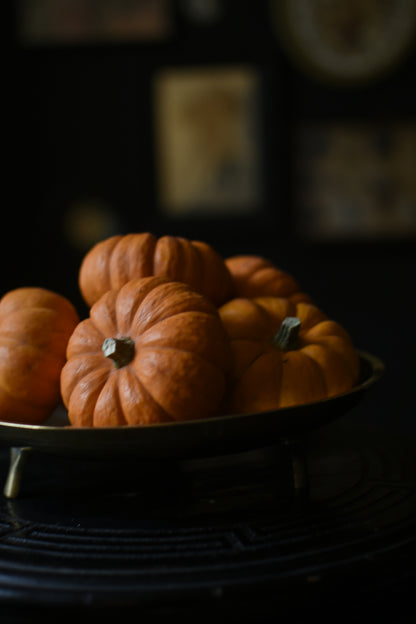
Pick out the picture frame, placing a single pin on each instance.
(208, 145)
(80, 22)
(355, 180)
(344, 43)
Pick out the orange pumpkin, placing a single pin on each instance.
(285, 354)
(154, 351)
(118, 259)
(35, 325)
(255, 276)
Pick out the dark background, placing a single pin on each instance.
(82, 126)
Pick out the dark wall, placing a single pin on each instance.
(82, 125)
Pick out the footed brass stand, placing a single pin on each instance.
(292, 469)
(298, 467)
(18, 459)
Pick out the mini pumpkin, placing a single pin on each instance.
(285, 354)
(118, 259)
(255, 276)
(153, 351)
(35, 326)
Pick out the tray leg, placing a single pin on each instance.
(299, 467)
(18, 459)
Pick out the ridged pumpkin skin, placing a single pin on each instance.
(176, 369)
(255, 276)
(113, 262)
(35, 326)
(320, 363)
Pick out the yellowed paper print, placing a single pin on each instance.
(208, 152)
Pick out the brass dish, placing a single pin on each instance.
(217, 435)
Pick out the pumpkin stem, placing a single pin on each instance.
(120, 350)
(287, 337)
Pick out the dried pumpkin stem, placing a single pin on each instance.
(120, 350)
(287, 337)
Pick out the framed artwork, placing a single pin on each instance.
(345, 42)
(207, 139)
(355, 180)
(60, 22)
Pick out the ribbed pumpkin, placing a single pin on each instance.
(35, 326)
(152, 352)
(118, 259)
(255, 276)
(285, 354)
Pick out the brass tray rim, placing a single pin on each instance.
(205, 431)
(378, 368)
